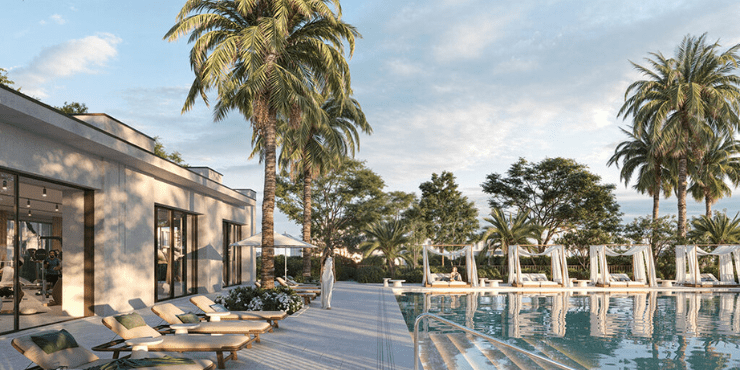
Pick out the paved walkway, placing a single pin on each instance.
(363, 330)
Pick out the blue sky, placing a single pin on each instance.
(460, 86)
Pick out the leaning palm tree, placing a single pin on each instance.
(719, 163)
(716, 230)
(266, 59)
(692, 95)
(506, 231)
(645, 153)
(387, 237)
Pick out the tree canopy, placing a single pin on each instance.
(559, 194)
(73, 108)
(449, 217)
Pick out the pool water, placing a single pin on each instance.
(655, 330)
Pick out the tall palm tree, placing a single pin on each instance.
(316, 146)
(691, 96)
(716, 230)
(720, 162)
(266, 59)
(387, 237)
(505, 231)
(645, 153)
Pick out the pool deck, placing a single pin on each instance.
(363, 330)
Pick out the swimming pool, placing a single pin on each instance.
(654, 330)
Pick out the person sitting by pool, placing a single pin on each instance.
(454, 275)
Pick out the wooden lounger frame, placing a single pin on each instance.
(118, 345)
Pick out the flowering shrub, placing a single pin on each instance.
(258, 299)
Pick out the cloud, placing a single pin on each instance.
(58, 19)
(87, 55)
(469, 38)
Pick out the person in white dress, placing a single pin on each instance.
(327, 283)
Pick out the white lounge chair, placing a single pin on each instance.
(208, 306)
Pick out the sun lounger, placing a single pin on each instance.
(441, 280)
(316, 290)
(132, 326)
(52, 349)
(621, 281)
(271, 317)
(533, 280)
(175, 316)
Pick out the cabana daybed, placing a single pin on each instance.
(643, 267)
(687, 266)
(559, 268)
(442, 280)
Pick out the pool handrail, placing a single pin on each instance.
(476, 333)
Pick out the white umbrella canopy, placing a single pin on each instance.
(280, 241)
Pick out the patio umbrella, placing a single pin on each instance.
(280, 240)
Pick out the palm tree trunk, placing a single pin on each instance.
(307, 178)
(682, 196)
(656, 206)
(707, 203)
(268, 207)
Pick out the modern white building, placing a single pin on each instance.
(132, 228)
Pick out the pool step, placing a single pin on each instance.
(465, 351)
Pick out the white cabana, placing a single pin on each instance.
(687, 263)
(467, 252)
(643, 266)
(558, 263)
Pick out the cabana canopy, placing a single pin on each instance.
(558, 263)
(687, 257)
(472, 270)
(643, 266)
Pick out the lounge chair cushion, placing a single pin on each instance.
(71, 357)
(207, 305)
(131, 320)
(53, 341)
(217, 307)
(137, 332)
(188, 318)
(169, 312)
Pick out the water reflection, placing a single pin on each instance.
(601, 330)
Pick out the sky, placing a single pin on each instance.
(462, 86)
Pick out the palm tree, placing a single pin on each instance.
(716, 230)
(320, 145)
(719, 163)
(505, 231)
(690, 96)
(387, 237)
(266, 59)
(645, 153)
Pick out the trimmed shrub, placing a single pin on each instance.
(370, 274)
(258, 299)
(410, 275)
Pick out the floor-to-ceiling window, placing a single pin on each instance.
(232, 255)
(176, 268)
(31, 250)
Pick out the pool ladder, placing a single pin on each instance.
(463, 351)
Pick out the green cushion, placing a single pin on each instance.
(54, 341)
(188, 318)
(219, 307)
(131, 320)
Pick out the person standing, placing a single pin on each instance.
(327, 282)
(53, 267)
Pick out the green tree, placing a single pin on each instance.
(73, 108)
(559, 195)
(387, 237)
(449, 217)
(660, 233)
(719, 229)
(710, 173)
(5, 80)
(266, 59)
(161, 152)
(691, 96)
(505, 231)
(645, 153)
(345, 201)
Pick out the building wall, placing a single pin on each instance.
(40, 142)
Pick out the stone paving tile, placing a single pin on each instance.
(363, 330)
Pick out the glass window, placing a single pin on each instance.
(176, 258)
(232, 256)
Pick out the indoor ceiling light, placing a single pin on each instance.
(56, 208)
(43, 192)
(29, 213)
(5, 184)
(28, 203)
